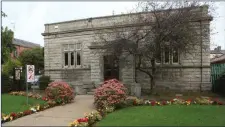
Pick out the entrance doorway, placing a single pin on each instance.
(111, 67)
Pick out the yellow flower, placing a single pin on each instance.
(71, 124)
(75, 122)
(11, 118)
(38, 107)
(5, 118)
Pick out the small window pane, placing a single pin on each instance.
(72, 58)
(167, 55)
(65, 47)
(175, 56)
(158, 57)
(78, 58)
(71, 46)
(66, 59)
(78, 45)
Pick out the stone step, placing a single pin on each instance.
(92, 90)
(89, 86)
(90, 93)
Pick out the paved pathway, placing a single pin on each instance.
(59, 115)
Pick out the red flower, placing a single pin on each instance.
(45, 98)
(172, 101)
(163, 102)
(134, 102)
(13, 114)
(152, 103)
(189, 100)
(82, 120)
(220, 103)
(27, 112)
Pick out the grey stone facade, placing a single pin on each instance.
(191, 72)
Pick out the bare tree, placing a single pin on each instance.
(157, 27)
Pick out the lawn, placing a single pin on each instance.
(11, 103)
(173, 115)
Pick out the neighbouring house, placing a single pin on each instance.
(71, 55)
(217, 52)
(218, 60)
(22, 45)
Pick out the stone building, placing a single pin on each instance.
(72, 56)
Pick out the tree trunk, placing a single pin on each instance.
(152, 84)
(153, 75)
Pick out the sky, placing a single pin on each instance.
(27, 19)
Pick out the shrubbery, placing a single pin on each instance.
(6, 83)
(44, 81)
(60, 92)
(111, 93)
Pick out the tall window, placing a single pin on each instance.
(171, 55)
(72, 55)
(166, 55)
(175, 57)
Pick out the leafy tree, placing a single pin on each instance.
(34, 57)
(9, 66)
(7, 44)
(7, 40)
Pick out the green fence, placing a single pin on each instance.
(217, 76)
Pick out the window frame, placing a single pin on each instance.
(70, 50)
(171, 56)
(178, 57)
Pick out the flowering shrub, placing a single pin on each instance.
(111, 92)
(60, 92)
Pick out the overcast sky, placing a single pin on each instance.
(27, 19)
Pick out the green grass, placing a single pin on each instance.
(11, 103)
(173, 115)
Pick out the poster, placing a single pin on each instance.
(30, 73)
(17, 74)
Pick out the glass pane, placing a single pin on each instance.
(65, 47)
(72, 58)
(71, 46)
(158, 57)
(66, 59)
(167, 55)
(78, 58)
(78, 45)
(175, 56)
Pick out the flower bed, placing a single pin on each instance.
(33, 109)
(133, 101)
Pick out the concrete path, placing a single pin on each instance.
(59, 115)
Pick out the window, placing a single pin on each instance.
(72, 55)
(15, 54)
(158, 57)
(171, 55)
(166, 55)
(175, 55)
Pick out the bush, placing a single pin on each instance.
(8, 67)
(111, 93)
(44, 81)
(6, 83)
(60, 92)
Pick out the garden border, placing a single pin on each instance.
(93, 117)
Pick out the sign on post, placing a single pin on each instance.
(30, 73)
(17, 74)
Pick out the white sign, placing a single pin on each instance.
(30, 73)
